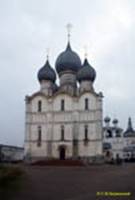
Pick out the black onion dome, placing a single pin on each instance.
(115, 121)
(68, 60)
(46, 73)
(87, 72)
(107, 119)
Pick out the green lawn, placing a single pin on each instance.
(11, 179)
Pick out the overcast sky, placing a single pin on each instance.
(29, 27)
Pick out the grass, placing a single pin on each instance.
(11, 178)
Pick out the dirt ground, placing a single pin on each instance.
(77, 183)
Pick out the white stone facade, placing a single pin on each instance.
(116, 142)
(74, 118)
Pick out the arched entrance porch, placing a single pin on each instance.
(62, 152)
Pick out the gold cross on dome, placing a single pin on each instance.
(69, 27)
(47, 53)
(85, 51)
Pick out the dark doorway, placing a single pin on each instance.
(62, 153)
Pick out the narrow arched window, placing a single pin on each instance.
(39, 106)
(86, 132)
(39, 139)
(62, 105)
(86, 104)
(62, 132)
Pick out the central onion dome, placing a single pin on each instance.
(68, 60)
(86, 73)
(47, 73)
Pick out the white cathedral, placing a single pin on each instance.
(64, 121)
